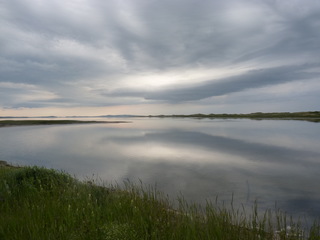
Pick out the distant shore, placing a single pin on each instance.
(311, 116)
(11, 123)
(301, 116)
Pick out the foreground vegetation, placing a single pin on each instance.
(38, 203)
(306, 116)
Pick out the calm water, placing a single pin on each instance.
(268, 161)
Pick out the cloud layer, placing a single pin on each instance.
(230, 56)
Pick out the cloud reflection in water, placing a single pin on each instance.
(200, 159)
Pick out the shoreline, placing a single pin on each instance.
(16, 123)
(295, 116)
(6, 164)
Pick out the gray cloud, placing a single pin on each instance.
(251, 79)
(77, 49)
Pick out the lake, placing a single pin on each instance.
(268, 161)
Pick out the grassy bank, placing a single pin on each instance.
(38, 203)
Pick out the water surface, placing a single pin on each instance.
(269, 161)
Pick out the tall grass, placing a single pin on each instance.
(37, 203)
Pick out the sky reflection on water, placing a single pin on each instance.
(268, 161)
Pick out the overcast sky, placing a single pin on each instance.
(92, 57)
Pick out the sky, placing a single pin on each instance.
(95, 57)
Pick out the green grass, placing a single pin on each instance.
(39, 203)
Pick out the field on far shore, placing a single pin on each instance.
(302, 116)
(8, 123)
